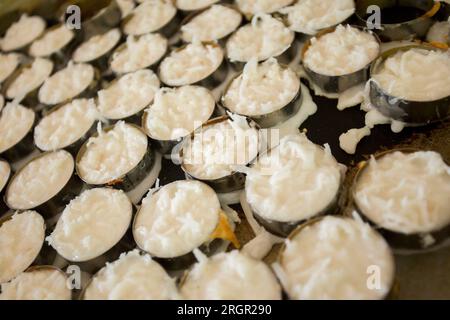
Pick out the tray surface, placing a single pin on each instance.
(419, 276)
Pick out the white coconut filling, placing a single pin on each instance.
(97, 46)
(8, 63)
(231, 276)
(416, 75)
(112, 154)
(40, 180)
(65, 125)
(439, 32)
(263, 38)
(128, 95)
(177, 112)
(294, 181)
(190, 64)
(261, 89)
(5, 172)
(30, 78)
(126, 7)
(343, 51)
(177, 219)
(52, 41)
(21, 239)
(91, 224)
(149, 16)
(191, 5)
(66, 83)
(39, 284)
(311, 16)
(406, 192)
(22, 32)
(139, 53)
(251, 7)
(337, 258)
(15, 122)
(132, 277)
(219, 149)
(206, 26)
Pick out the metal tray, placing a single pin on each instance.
(419, 276)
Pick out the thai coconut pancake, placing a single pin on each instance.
(275, 195)
(310, 267)
(177, 219)
(126, 7)
(310, 16)
(204, 26)
(97, 46)
(343, 51)
(218, 149)
(263, 38)
(177, 112)
(42, 283)
(22, 32)
(149, 16)
(261, 88)
(112, 154)
(30, 78)
(52, 170)
(128, 95)
(191, 5)
(132, 277)
(405, 192)
(139, 53)
(190, 64)
(66, 83)
(409, 75)
(66, 125)
(15, 123)
(8, 63)
(91, 224)
(16, 251)
(230, 276)
(51, 41)
(5, 172)
(251, 7)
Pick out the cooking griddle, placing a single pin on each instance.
(418, 276)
